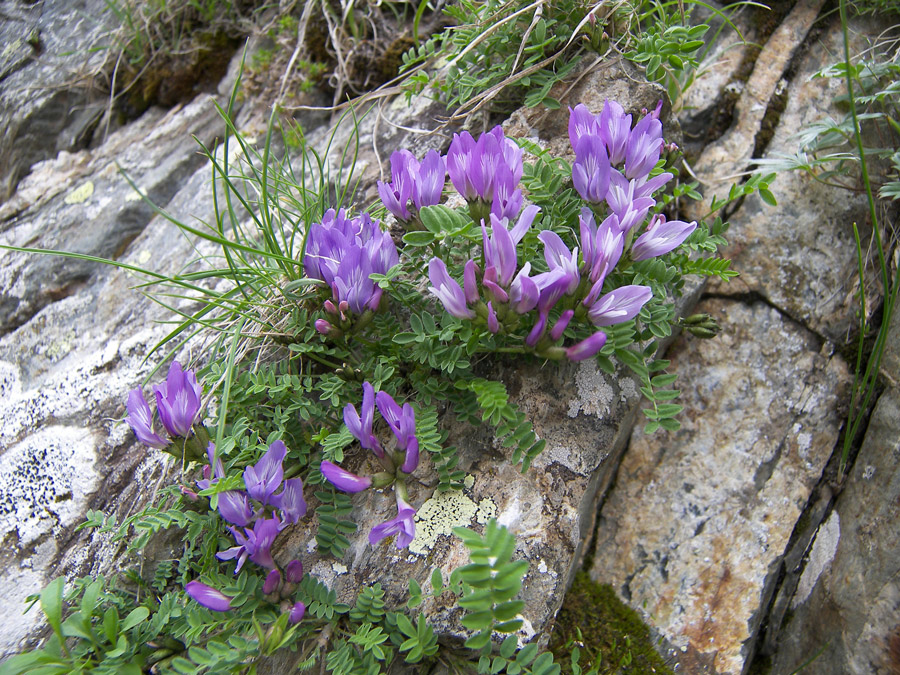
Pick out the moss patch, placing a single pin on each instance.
(611, 632)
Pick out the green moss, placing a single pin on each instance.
(611, 632)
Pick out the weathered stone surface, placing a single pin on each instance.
(80, 202)
(801, 255)
(690, 531)
(848, 601)
(730, 154)
(47, 49)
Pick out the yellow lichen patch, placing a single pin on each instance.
(80, 194)
(444, 511)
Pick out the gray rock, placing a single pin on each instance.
(697, 518)
(801, 255)
(45, 101)
(846, 607)
(61, 196)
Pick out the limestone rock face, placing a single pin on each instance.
(44, 105)
(849, 595)
(800, 255)
(698, 517)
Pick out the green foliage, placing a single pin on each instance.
(491, 581)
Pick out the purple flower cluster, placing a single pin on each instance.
(259, 512)
(487, 171)
(177, 403)
(343, 252)
(421, 183)
(606, 141)
(603, 143)
(397, 464)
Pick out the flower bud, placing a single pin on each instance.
(273, 581)
(294, 572)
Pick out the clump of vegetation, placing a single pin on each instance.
(593, 622)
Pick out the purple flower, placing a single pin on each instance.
(430, 177)
(178, 400)
(602, 247)
(629, 209)
(141, 420)
(448, 291)
(344, 480)
(396, 196)
(464, 165)
(217, 472)
(661, 237)
(255, 544)
(208, 596)
(403, 423)
(297, 612)
(290, 500)
(587, 347)
(499, 254)
(590, 172)
(263, 478)
(294, 572)
(272, 582)
(619, 305)
(403, 526)
(234, 507)
(344, 253)
(489, 169)
(644, 145)
(361, 427)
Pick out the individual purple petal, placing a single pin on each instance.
(582, 122)
(587, 347)
(290, 500)
(344, 480)
(470, 287)
(524, 223)
(537, 331)
(447, 290)
(178, 400)
(503, 251)
(561, 324)
(403, 526)
(523, 291)
(234, 507)
(141, 420)
(264, 478)
(646, 188)
(661, 237)
(464, 165)
(294, 572)
(208, 596)
(297, 612)
(644, 146)
(401, 421)
(272, 582)
(240, 552)
(561, 261)
(506, 198)
(361, 427)
(492, 323)
(619, 305)
(615, 129)
(590, 172)
(432, 173)
(411, 459)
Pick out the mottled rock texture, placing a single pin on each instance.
(698, 517)
(847, 608)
